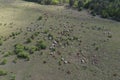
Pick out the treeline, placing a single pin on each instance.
(49, 2)
(104, 8)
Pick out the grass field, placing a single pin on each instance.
(76, 45)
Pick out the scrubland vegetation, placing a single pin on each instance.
(59, 39)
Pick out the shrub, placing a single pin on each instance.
(3, 72)
(19, 48)
(33, 49)
(6, 54)
(24, 55)
(93, 13)
(40, 18)
(36, 33)
(46, 31)
(13, 34)
(50, 37)
(96, 48)
(32, 36)
(47, 2)
(4, 61)
(104, 14)
(75, 4)
(41, 45)
(109, 36)
(12, 77)
(75, 38)
(29, 40)
(1, 42)
(52, 49)
(21, 51)
(26, 48)
(55, 2)
(15, 60)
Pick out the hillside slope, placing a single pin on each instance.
(43, 42)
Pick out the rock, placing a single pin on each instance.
(51, 53)
(55, 42)
(62, 59)
(65, 62)
(82, 61)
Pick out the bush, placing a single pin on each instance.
(32, 37)
(52, 49)
(50, 37)
(14, 34)
(40, 18)
(55, 2)
(29, 40)
(109, 36)
(47, 2)
(15, 60)
(75, 4)
(24, 55)
(1, 42)
(21, 51)
(2, 72)
(41, 45)
(6, 54)
(19, 48)
(36, 33)
(4, 61)
(12, 77)
(93, 13)
(104, 14)
(33, 49)
(46, 31)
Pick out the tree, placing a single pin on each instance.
(71, 3)
(80, 5)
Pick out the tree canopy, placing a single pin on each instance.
(104, 8)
